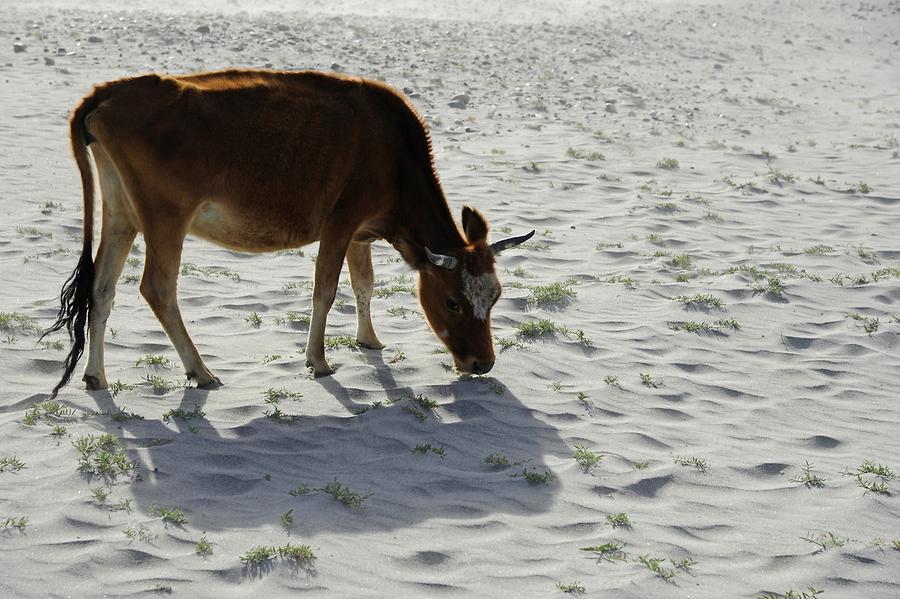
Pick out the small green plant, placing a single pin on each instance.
(160, 385)
(868, 467)
(183, 414)
(684, 564)
(506, 344)
(613, 550)
(188, 269)
(254, 319)
(586, 458)
(12, 464)
(300, 491)
(773, 287)
(293, 316)
(648, 381)
(869, 324)
(778, 177)
(573, 588)
(608, 246)
(118, 387)
(18, 523)
(682, 261)
(579, 155)
(497, 460)
(806, 477)
(619, 520)
(141, 533)
(703, 300)
(269, 358)
(612, 381)
(819, 249)
(667, 163)
(655, 565)
(273, 396)
(693, 462)
(258, 555)
(345, 495)
(537, 478)
(873, 477)
(552, 294)
(153, 360)
(428, 448)
(538, 328)
(641, 465)
(47, 411)
(333, 343)
(287, 519)
(170, 515)
(809, 593)
(276, 415)
(262, 553)
(120, 415)
(824, 540)
(203, 547)
(100, 494)
(102, 455)
(425, 402)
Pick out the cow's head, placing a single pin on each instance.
(457, 290)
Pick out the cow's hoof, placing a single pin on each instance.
(211, 384)
(320, 370)
(370, 344)
(93, 383)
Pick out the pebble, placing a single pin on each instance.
(202, 29)
(19, 48)
(49, 61)
(94, 39)
(459, 101)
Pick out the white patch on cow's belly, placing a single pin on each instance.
(480, 292)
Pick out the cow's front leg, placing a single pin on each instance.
(332, 250)
(362, 278)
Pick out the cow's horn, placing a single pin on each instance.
(509, 242)
(448, 262)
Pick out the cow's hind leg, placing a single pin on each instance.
(116, 239)
(164, 236)
(362, 278)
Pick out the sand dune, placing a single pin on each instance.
(745, 154)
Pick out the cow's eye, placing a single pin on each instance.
(452, 306)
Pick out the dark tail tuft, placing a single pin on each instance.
(75, 299)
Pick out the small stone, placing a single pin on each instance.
(94, 39)
(17, 48)
(459, 101)
(336, 67)
(611, 108)
(60, 51)
(49, 61)
(202, 29)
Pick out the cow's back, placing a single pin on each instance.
(260, 157)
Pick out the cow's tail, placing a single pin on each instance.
(76, 297)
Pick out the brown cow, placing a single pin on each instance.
(266, 160)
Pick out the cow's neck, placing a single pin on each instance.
(424, 219)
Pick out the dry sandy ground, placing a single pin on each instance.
(783, 119)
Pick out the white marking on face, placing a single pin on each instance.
(480, 292)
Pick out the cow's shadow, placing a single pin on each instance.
(249, 474)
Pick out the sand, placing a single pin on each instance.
(660, 149)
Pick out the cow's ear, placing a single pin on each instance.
(474, 225)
